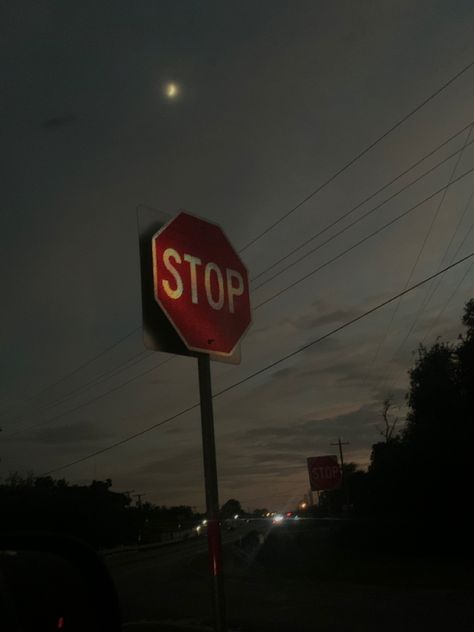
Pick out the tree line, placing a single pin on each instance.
(93, 513)
(421, 474)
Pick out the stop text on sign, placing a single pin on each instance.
(201, 284)
(324, 472)
(328, 471)
(220, 286)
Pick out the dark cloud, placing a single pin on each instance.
(55, 122)
(79, 432)
(327, 314)
(166, 465)
(358, 425)
(175, 429)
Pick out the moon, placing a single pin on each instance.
(171, 90)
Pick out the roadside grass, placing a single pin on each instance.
(362, 554)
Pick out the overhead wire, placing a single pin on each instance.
(358, 156)
(428, 299)
(360, 218)
(352, 210)
(449, 300)
(89, 402)
(288, 213)
(426, 302)
(350, 163)
(361, 241)
(423, 245)
(271, 298)
(105, 375)
(87, 362)
(397, 381)
(82, 366)
(263, 369)
(317, 190)
(102, 377)
(458, 249)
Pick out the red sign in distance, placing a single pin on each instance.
(324, 473)
(201, 284)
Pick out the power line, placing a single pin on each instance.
(89, 402)
(359, 155)
(469, 268)
(367, 199)
(125, 440)
(265, 368)
(458, 249)
(361, 241)
(80, 367)
(102, 377)
(456, 230)
(88, 385)
(426, 302)
(114, 371)
(290, 211)
(98, 380)
(423, 246)
(86, 364)
(333, 177)
(271, 298)
(450, 298)
(354, 222)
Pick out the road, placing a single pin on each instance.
(166, 586)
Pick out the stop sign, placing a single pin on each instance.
(324, 473)
(201, 284)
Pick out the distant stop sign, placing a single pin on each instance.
(324, 473)
(201, 284)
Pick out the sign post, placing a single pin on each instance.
(212, 493)
(200, 287)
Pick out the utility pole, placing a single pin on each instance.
(139, 506)
(340, 444)
(344, 491)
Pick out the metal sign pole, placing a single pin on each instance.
(212, 495)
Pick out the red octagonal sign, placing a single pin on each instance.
(201, 284)
(324, 473)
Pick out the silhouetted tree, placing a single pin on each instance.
(388, 431)
(258, 513)
(424, 472)
(231, 508)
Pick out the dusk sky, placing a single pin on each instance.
(272, 99)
